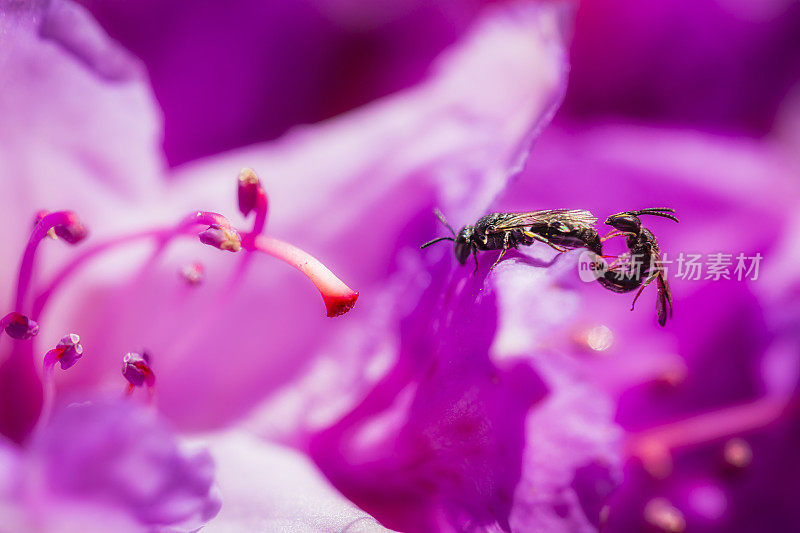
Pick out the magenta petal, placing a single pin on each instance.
(450, 141)
(456, 434)
(27, 505)
(263, 67)
(729, 344)
(438, 442)
(267, 487)
(70, 25)
(123, 456)
(649, 60)
(69, 138)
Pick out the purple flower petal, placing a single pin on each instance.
(69, 138)
(707, 376)
(105, 465)
(450, 141)
(263, 67)
(49, 95)
(267, 487)
(73, 28)
(125, 458)
(685, 62)
(438, 441)
(452, 434)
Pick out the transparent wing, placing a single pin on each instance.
(575, 218)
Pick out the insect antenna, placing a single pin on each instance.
(434, 241)
(443, 220)
(664, 212)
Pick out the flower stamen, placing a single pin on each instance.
(137, 372)
(653, 446)
(39, 216)
(67, 352)
(18, 326)
(66, 225)
(222, 238)
(251, 196)
(193, 274)
(162, 235)
(664, 516)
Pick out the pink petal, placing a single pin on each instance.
(270, 488)
(69, 138)
(451, 141)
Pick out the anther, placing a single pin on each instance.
(223, 238)
(663, 515)
(248, 191)
(18, 326)
(137, 371)
(39, 216)
(252, 197)
(193, 274)
(67, 352)
(738, 453)
(70, 229)
(65, 224)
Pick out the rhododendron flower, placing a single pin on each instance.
(158, 371)
(227, 348)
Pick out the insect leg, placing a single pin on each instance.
(539, 238)
(506, 245)
(617, 233)
(499, 257)
(475, 256)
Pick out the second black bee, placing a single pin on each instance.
(561, 229)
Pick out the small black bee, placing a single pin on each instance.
(647, 267)
(561, 229)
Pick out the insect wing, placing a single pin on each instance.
(572, 218)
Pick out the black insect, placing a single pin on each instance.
(646, 259)
(561, 229)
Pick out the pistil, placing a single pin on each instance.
(338, 297)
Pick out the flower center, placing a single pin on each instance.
(22, 394)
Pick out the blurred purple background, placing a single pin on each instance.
(243, 71)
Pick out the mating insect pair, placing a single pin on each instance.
(564, 229)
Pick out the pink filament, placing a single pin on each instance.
(48, 389)
(261, 212)
(163, 236)
(704, 428)
(40, 230)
